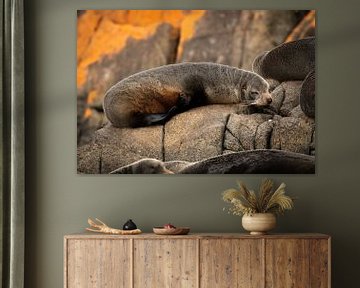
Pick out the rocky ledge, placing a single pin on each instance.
(211, 131)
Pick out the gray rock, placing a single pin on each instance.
(307, 95)
(255, 161)
(197, 133)
(89, 125)
(244, 129)
(263, 135)
(231, 143)
(236, 37)
(114, 148)
(292, 134)
(214, 39)
(278, 96)
(176, 166)
(298, 113)
(287, 62)
(313, 144)
(262, 30)
(89, 159)
(291, 96)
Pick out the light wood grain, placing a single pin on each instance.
(231, 263)
(197, 260)
(165, 263)
(88, 235)
(98, 263)
(287, 263)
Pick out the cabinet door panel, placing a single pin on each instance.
(319, 263)
(165, 263)
(287, 263)
(231, 263)
(98, 263)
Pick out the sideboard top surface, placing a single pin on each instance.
(86, 235)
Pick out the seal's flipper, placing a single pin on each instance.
(141, 120)
(156, 119)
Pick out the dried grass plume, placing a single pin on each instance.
(267, 200)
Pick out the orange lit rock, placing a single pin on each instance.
(107, 39)
(305, 28)
(103, 32)
(86, 27)
(136, 55)
(188, 27)
(148, 17)
(90, 99)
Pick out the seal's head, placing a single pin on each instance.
(256, 91)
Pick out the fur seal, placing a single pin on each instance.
(288, 61)
(144, 166)
(153, 96)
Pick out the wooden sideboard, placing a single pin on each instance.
(197, 260)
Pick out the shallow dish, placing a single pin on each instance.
(171, 231)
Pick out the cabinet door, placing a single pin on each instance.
(98, 263)
(287, 263)
(165, 263)
(320, 263)
(297, 263)
(231, 263)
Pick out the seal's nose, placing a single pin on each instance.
(269, 100)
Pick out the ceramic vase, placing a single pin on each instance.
(259, 223)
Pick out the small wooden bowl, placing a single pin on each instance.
(171, 231)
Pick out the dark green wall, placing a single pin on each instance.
(59, 201)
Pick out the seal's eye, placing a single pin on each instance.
(254, 94)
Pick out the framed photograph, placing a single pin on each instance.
(196, 91)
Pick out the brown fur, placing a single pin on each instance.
(155, 95)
